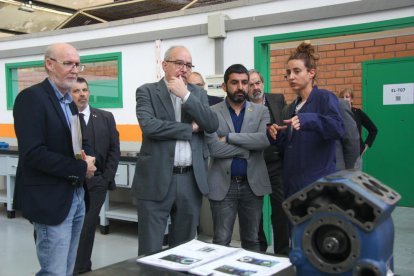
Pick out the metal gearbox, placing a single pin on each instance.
(342, 226)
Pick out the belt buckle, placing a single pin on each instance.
(238, 179)
(180, 169)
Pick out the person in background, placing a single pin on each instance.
(237, 176)
(196, 79)
(52, 166)
(171, 169)
(313, 124)
(100, 130)
(273, 159)
(347, 148)
(362, 120)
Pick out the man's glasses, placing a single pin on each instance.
(179, 64)
(70, 65)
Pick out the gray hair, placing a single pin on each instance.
(167, 54)
(48, 53)
(252, 71)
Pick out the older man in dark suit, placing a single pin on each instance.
(171, 170)
(100, 130)
(50, 174)
(347, 148)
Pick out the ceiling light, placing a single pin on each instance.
(26, 7)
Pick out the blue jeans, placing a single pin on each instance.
(56, 245)
(242, 201)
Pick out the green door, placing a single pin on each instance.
(388, 100)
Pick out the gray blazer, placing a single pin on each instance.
(160, 132)
(248, 144)
(347, 148)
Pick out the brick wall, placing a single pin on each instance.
(340, 64)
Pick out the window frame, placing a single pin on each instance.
(115, 56)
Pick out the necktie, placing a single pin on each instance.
(82, 122)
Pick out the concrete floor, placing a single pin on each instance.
(18, 256)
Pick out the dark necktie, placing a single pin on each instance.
(82, 122)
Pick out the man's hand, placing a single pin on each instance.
(177, 87)
(294, 121)
(273, 129)
(196, 128)
(90, 161)
(223, 139)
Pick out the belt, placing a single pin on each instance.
(239, 179)
(182, 169)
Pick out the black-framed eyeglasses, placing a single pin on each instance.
(70, 65)
(179, 64)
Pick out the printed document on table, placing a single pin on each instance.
(188, 255)
(243, 262)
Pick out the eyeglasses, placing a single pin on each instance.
(179, 64)
(70, 65)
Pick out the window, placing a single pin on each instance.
(103, 73)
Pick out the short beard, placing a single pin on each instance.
(65, 84)
(257, 95)
(237, 97)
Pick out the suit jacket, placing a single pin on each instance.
(347, 148)
(248, 144)
(362, 120)
(212, 100)
(106, 145)
(160, 131)
(275, 103)
(47, 169)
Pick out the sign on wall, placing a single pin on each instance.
(402, 93)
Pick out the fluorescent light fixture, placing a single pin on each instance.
(26, 7)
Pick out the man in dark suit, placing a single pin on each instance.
(171, 169)
(196, 79)
(52, 166)
(275, 104)
(100, 130)
(237, 176)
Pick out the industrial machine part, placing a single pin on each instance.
(342, 225)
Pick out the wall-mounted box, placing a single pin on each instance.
(214, 83)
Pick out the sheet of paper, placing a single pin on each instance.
(243, 262)
(188, 255)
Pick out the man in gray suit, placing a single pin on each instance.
(238, 177)
(347, 148)
(171, 169)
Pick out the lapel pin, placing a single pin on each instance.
(249, 109)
